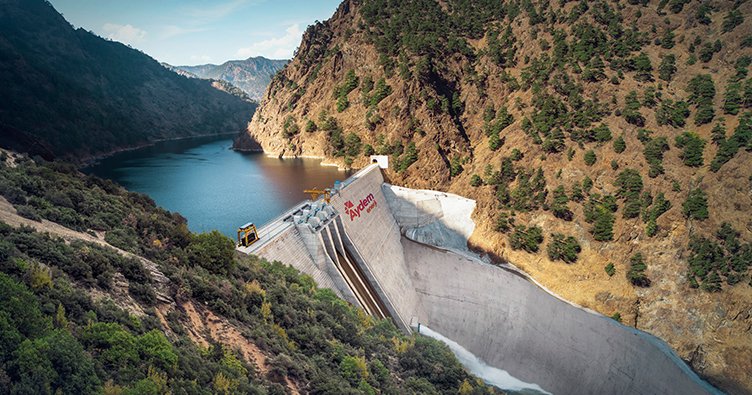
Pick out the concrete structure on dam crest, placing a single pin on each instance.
(402, 254)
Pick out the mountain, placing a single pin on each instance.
(607, 144)
(69, 93)
(103, 292)
(252, 75)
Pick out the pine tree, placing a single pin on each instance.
(636, 274)
(696, 205)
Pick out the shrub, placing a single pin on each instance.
(636, 273)
(28, 212)
(476, 181)
(610, 269)
(212, 251)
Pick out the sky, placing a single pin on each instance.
(191, 32)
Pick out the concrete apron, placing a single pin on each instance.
(412, 246)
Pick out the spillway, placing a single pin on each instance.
(402, 254)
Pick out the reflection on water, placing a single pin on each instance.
(213, 186)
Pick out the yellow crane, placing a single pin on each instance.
(247, 234)
(315, 193)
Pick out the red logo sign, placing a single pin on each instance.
(364, 205)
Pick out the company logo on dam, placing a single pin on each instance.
(364, 205)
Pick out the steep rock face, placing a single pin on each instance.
(69, 93)
(252, 75)
(503, 103)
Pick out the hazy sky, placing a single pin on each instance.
(189, 32)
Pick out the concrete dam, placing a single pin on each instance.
(402, 254)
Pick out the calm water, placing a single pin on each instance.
(213, 186)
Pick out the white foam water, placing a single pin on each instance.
(489, 374)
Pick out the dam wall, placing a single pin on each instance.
(511, 323)
(411, 248)
(370, 225)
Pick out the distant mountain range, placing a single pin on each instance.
(252, 75)
(69, 93)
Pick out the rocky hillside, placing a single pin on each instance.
(607, 144)
(67, 92)
(252, 75)
(103, 292)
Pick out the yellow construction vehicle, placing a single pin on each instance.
(315, 193)
(247, 234)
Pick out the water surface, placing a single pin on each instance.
(213, 186)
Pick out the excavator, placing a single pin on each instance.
(247, 235)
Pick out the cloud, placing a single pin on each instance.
(171, 31)
(214, 12)
(127, 34)
(276, 47)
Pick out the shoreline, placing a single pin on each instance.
(94, 159)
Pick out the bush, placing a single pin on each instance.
(610, 269)
(636, 273)
(476, 181)
(563, 248)
(28, 212)
(213, 251)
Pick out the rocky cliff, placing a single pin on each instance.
(606, 143)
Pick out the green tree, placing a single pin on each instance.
(476, 181)
(603, 228)
(642, 67)
(528, 239)
(701, 93)
(352, 144)
(692, 148)
(610, 269)
(631, 111)
(732, 100)
(636, 273)
(409, 157)
(732, 19)
(667, 68)
(696, 205)
(619, 145)
(589, 157)
(565, 248)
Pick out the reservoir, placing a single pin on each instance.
(213, 186)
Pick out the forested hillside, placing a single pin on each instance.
(67, 92)
(607, 143)
(175, 312)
